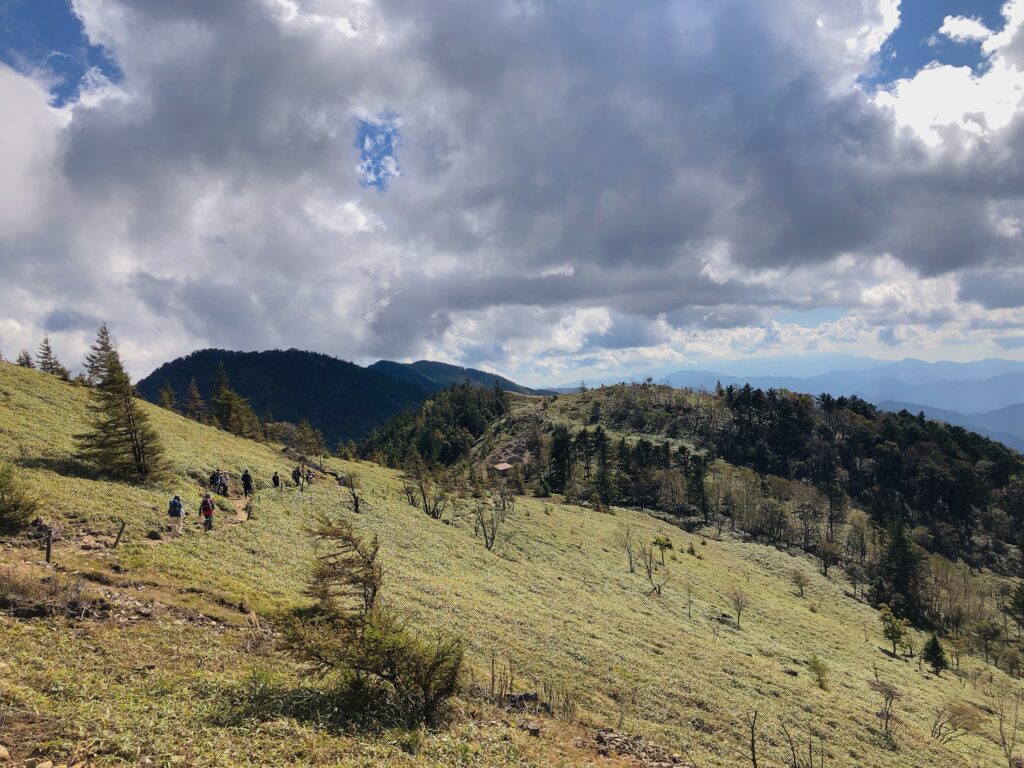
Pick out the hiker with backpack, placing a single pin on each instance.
(222, 483)
(175, 513)
(276, 480)
(297, 476)
(206, 508)
(246, 484)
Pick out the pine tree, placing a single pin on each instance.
(48, 362)
(898, 580)
(195, 407)
(168, 399)
(25, 359)
(120, 440)
(934, 655)
(222, 397)
(96, 360)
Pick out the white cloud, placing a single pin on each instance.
(963, 29)
(29, 152)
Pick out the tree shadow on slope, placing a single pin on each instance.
(65, 466)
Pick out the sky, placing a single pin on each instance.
(552, 189)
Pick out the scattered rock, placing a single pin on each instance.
(791, 672)
(530, 727)
(615, 743)
(4, 754)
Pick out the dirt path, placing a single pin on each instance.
(240, 504)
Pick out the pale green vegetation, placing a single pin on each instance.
(196, 684)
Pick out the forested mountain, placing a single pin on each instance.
(341, 399)
(434, 376)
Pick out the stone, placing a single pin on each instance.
(530, 727)
(4, 754)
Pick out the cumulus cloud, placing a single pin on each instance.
(527, 187)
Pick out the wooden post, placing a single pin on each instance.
(49, 545)
(120, 533)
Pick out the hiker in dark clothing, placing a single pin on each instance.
(246, 484)
(297, 476)
(206, 508)
(175, 512)
(276, 480)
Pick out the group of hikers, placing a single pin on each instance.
(220, 484)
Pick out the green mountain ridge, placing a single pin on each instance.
(343, 400)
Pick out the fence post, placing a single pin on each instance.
(120, 533)
(49, 545)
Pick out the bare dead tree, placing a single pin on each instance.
(752, 726)
(1007, 701)
(488, 519)
(740, 600)
(625, 539)
(410, 493)
(890, 695)
(351, 484)
(650, 565)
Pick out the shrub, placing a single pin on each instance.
(26, 595)
(347, 633)
(819, 669)
(16, 506)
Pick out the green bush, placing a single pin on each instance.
(16, 506)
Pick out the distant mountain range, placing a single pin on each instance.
(343, 400)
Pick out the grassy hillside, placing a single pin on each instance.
(174, 675)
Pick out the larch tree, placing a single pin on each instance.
(120, 439)
(48, 362)
(195, 406)
(168, 399)
(95, 363)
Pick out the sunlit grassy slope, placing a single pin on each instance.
(554, 600)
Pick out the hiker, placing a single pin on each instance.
(215, 478)
(175, 511)
(206, 510)
(222, 484)
(246, 483)
(309, 477)
(276, 480)
(297, 476)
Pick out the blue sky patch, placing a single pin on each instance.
(917, 42)
(47, 35)
(377, 141)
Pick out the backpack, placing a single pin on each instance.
(206, 507)
(174, 509)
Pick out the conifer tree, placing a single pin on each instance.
(120, 439)
(221, 399)
(25, 359)
(195, 407)
(48, 362)
(96, 360)
(168, 399)
(934, 655)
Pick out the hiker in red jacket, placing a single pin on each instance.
(206, 510)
